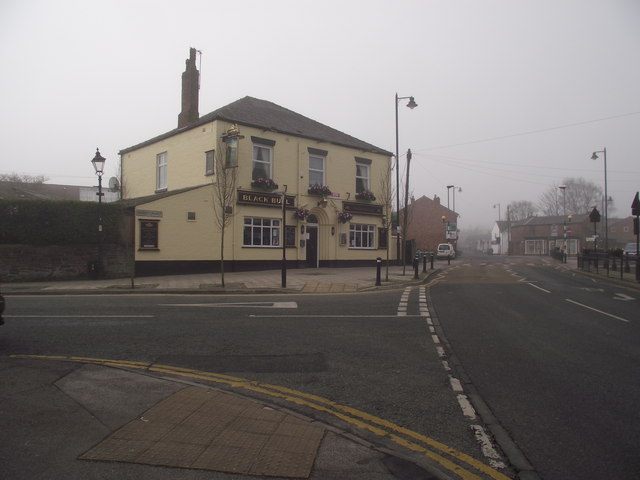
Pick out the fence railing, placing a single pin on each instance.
(626, 267)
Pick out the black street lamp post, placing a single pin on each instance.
(606, 197)
(412, 104)
(98, 164)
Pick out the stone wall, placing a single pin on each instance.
(24, 263)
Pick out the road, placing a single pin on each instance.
(553, 355)
(370, 351)
(556, 357)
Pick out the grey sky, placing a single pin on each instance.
(513, 95)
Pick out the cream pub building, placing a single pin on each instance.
(333, 185)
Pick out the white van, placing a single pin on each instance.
(445, 250)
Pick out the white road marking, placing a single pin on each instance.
(486, 445)
(599, 311)
(622, 296)
(467, 409)
(456, 386)
(539, 288)
(238, 304)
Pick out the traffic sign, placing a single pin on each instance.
(635, 205)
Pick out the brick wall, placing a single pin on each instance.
(23, 263)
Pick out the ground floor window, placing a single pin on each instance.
(570, 243)
(534, 247)
(261, 232)
(361, 236)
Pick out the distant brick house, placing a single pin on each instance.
(425, 224)
(621, 232)
(540, 235)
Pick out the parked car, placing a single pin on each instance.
(445, 250)
(631, 249)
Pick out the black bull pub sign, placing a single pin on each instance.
(265, 199)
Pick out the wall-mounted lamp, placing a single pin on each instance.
(323, 203)
(348, 195)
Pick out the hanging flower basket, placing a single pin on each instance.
(344, 217)
(319, 190)
(301, 213)
(365, 195)
(264, 184)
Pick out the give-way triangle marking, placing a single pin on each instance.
(623, 297)
(236, 305)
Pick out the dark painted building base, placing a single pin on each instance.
(182, 267)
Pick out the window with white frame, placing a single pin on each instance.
(362, 177)
(161, 171)
(534, 247)
(262, 161)
(316, 170)
(361, 235)
(208, 162)
(261, 232)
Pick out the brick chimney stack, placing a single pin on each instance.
(190, 91)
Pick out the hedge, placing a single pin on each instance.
(58, 222)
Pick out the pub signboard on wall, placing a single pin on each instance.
(265, 199)
(362, 208)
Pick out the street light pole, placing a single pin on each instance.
(412, 104)
(284, 238)
(454, 195)
(98, 165)
(405, 215)
(606, 197)
(564, 220)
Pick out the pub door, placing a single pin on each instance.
(312, 246)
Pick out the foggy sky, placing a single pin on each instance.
(514, 96)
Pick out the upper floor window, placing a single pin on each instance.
(362, 177)
(209, 159)
(316, 170)
(262, 158)
(161, 171)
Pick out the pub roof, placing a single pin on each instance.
(253, 112)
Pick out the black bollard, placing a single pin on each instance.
(431, 257)
(378, 267)
(424, 263)
(415, 269)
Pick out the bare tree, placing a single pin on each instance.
(578, 196)
(386, 198)
(521, 210)
(16, 178)
(224, 188)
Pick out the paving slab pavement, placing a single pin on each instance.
(72, 421)
(306, 280)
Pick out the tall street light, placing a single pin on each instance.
(283, 266)
(606, 197)
(564, 220)
(98, 165)
(412, 104)
(454, 195)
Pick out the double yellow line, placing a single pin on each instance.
(445, 456)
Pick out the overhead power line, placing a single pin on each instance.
(530, 132)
